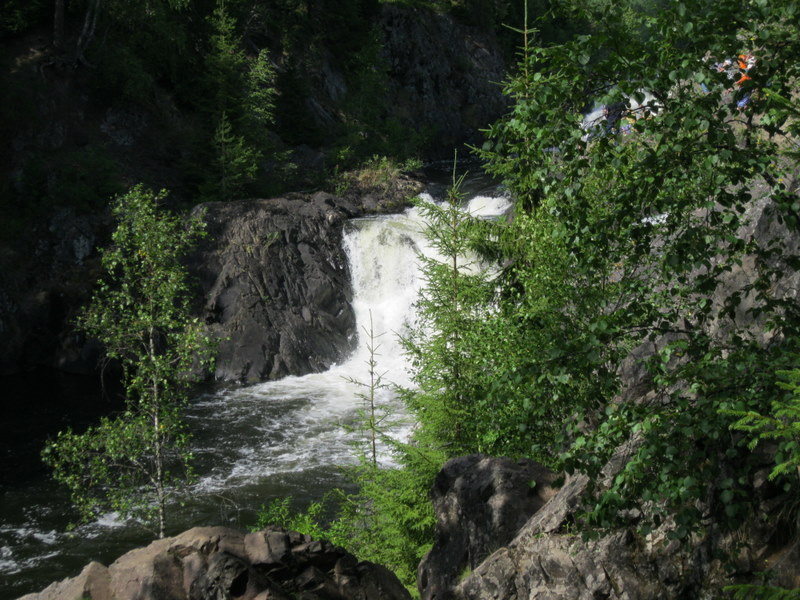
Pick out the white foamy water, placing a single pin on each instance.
(488, 206)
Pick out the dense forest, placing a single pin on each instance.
(228, 91)
(640, 322)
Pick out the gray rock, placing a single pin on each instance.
(276, 285)
(480, 505)
(549, 560)
(216, 563)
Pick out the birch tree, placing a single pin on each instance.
(133, 462)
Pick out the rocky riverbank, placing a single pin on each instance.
(220, 563)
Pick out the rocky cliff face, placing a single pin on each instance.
(276, 286)
(549, 559)
(480, 504)
(443, 76)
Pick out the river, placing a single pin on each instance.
(256, 443)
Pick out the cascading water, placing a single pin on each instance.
(252, 444)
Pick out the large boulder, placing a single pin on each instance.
(216, 563)
(480, 504)
(550, 559)
(276, 284)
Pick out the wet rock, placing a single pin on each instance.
(276, 285)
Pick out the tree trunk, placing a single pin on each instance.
(158, 452)
(58, 26)
(87, 32)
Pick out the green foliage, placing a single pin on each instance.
(86, 178)
(19, 15)
(366, 129)
(82, 178)
(444, 341)
(239, 104)
(224, 65)
(641, 230)
(758, 592)
(260, 97)
(373, 418)
(392, 513)
(309, 522)
(235, 165)
(377, 172)
(135, 47)
(389, 520)
(141, 314)
(494, 350)
(781, 423)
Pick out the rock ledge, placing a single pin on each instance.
(217, 563)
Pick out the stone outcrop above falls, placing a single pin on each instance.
(443, 75)
(216, 563)
(276, 285)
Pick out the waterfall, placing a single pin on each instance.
(296, 424)
(252, 444)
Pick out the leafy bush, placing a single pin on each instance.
(758, 592)
(647, 226)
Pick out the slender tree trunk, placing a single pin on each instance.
(372, 384)
(87, 32)
(58, 25)
(158, 450)
(456, 309)
(159, 475)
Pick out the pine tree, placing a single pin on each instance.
(235, 163)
